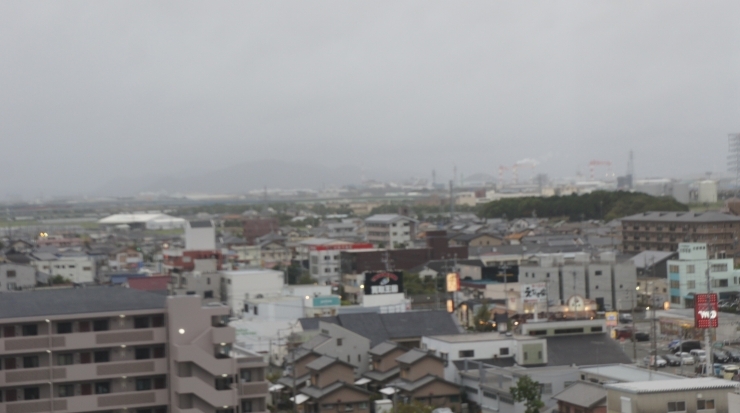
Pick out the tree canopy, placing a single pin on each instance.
(601, 205)
(528, 391)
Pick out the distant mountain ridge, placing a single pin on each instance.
(239, 179)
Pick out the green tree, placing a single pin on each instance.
(414, 284)
(529, 392)
(305, 279)
(481, 318)
(413, 407)
(294, 272)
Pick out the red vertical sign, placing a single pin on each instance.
(705, 311)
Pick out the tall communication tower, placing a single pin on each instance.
(733, 158)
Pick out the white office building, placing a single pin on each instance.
(390, 230)
(688, 275)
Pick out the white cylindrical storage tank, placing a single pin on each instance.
(707, 192)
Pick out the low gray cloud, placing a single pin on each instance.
(93, 92)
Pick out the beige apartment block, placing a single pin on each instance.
(116, 350)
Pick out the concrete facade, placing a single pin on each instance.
(116, 350)
(687, 275)
(15, 277)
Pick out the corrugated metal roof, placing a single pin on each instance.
(660, 386)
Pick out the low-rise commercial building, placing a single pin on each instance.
(687, 275)
(680, 395)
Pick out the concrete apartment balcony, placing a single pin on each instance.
(89, 403)
(101, 339)
(206, 361)
(203, 390)
(253, 389)
(82, 372)
(223, 335)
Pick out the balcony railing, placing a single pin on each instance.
(89, 403)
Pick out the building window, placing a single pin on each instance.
(339, 342)
(66, 390)
(102, 387)
(10, 273)
(362, 406)
(245, 375)
(719, 268)
(720, 283)
(31, 393)
(503, 351)
(142, 353)
(141, 322)
(30, 330)
(466, 353)
(158, 352)
(144, 384)
(676, 407)
(673, 269)
(100, 325)
(65, 359)
(597, 272)
(64, 328)
(705, 404)
(101, 356)
(30, 362)
(158, 321)
(690, 269)
(208, 294)
(160, 382)
(689, 284)
(675, 284)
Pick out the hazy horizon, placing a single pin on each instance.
(104, 92)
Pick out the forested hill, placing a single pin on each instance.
(596, 205)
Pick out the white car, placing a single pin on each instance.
(699, 355)
(659, 361)
(686, 358)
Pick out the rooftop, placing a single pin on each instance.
(201, 224)
(629, 373)
(582, 394)
(478, 337)
(585, 350)
(387, 218)
(77, 301)
(412, 356)
(709, 216)
(660, 386)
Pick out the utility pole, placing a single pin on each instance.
(505, 267)
(654, 332)
(707, 332)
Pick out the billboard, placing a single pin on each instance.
(612, 319)
(326, 301)
(536, 292)
(383, 282)
(453, 282)
(705, 311)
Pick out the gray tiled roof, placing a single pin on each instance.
(412, 356)
(381, 376)
(317, 393)
(381, 327)
(709, 216)
(582, 394)
(324, 362)
(77, 301)
(383, 348)
(584, 350)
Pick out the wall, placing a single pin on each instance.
(354, 348)
(14, 276)
(200, 239)
(245, 284)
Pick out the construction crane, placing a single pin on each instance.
(594, 163)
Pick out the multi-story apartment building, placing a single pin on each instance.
(607, 281)
(257, 226)
(107, 349)
(16, 276)
(390, 230)
(663, 231)
(687, 275)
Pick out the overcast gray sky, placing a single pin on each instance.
(93, 91)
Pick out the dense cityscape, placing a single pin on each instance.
(370, 207)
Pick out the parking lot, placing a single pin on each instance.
(643, 350)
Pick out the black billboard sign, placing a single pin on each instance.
(383, 282)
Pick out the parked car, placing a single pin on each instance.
(686, 358)
(699, 355)
(624, 332)
(687, 345)
(672, 359)
(673, 344)
(720, 356)
(625, 318)
(641, 336)
(734, 354)
(659, 361)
